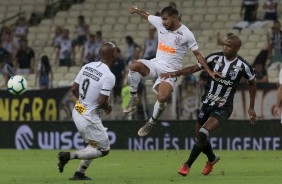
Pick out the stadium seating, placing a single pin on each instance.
(204, 18)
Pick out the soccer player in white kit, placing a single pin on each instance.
(92, 87)
(277, 107)
(174, 39)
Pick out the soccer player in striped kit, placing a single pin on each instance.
(218, 99)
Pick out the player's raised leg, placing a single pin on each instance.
(164, 92)
(63, 158)
(136, 71)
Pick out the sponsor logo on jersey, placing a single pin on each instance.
(222, 81)
(167, 49)
(94, 71)
(91, 76)
(216, 98)
(238, 68)
(79, 108)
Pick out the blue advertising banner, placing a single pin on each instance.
(175, 135)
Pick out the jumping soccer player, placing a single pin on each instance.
(174, 39)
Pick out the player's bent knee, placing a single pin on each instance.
(202, 137)
(162, 98)
(134, 66)
(105, 153)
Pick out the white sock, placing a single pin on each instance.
(134, 79)
(83, 165)
(158, 109)
(87, 153)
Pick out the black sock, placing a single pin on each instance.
(195, 152)
(207, 149)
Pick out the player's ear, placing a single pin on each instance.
(174, 17)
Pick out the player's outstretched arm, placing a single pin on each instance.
(200, 58)
(134, 10)
(185, 71)
(252, 93)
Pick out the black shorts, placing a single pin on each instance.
(218, 113)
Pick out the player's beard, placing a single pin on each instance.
(169, 28)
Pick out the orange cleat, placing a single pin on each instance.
(209, 165)
(184, 170)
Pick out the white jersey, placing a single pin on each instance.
(172, 45)
(94, 79)
(65, 48)
(280, 77)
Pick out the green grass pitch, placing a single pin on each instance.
(142, 167)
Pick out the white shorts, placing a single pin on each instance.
(93, 132)
(155, 70)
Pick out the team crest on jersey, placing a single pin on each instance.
(233, 74)
(177, 40)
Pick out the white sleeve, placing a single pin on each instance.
(155, 21)
(78, 78)
(280, 77)
(192, 43)
(108, 84)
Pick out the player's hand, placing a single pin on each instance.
(216, 74)
(276, 110)
(167, 75)
(253, 115)
(133, 9)
(109, 109)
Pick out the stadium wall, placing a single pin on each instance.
(57, 104)
(167, 135)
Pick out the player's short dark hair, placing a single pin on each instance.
(170, 11)
(236, 37)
